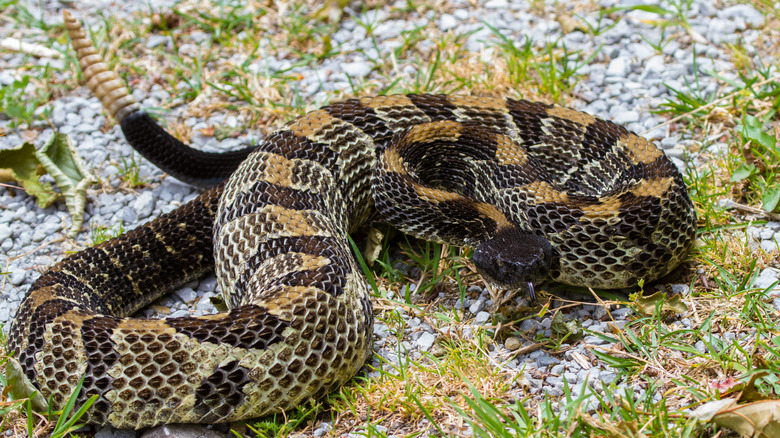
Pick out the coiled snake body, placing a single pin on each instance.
(540, 191)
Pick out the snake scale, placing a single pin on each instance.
(540, 191)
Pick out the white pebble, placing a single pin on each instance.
(447, 22)
(356, 69)
(425, 341)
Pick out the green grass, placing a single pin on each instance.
(130, 172)
(102, 233)
(731, 333)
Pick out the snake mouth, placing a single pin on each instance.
(514, 259)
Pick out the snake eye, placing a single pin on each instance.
(514, 259)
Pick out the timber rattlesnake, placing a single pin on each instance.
(540, 191)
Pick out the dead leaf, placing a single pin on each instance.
(571, 328)
(756, 420)
(21, 165)
(25, 165)
(570, 24)
(647, 305)
(749, 392)
(59, 158)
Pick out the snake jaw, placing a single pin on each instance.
(513, 259)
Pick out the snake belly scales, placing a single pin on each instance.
(541, 192)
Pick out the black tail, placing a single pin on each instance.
(176, 158)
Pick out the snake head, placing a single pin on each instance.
(513, 259)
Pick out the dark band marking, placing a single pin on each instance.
(246, 327)
(528, 117)
(290, 146)
(331, 278)
(263, 193)
(219, 393)
(314, 245)
(41, 317)
(71, 287)
(362, 117)
(101, 355)
(437, 107)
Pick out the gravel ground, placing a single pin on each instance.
(626, 82)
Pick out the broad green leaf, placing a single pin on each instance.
(753, 129)
(742, 172)
(770, 199)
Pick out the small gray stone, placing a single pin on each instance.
(179, 313)
(323, 429)
(554, 381)
(593, 340)
(461, 14)
(208, 284)
(447, 22)
(128, 216)
(619, 67)
(156, 40)
(204, 305)
(6, 78)
(356, 69)
(747, 13)
(5, 232)
(425, 341)
(182, 431)
(144, 204)
(766, 278)
(769, 246)
(110, 432)
(482, 317)
(17, 276)
(477, 306)
(655, 64)
(547, 360)
(45, 229)
(199, 36)
(72, 119)
(496, 4)
(621, 313)
(607, 377)
(625, 117)
(529, 324)
(589, 375)
(186, 294)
